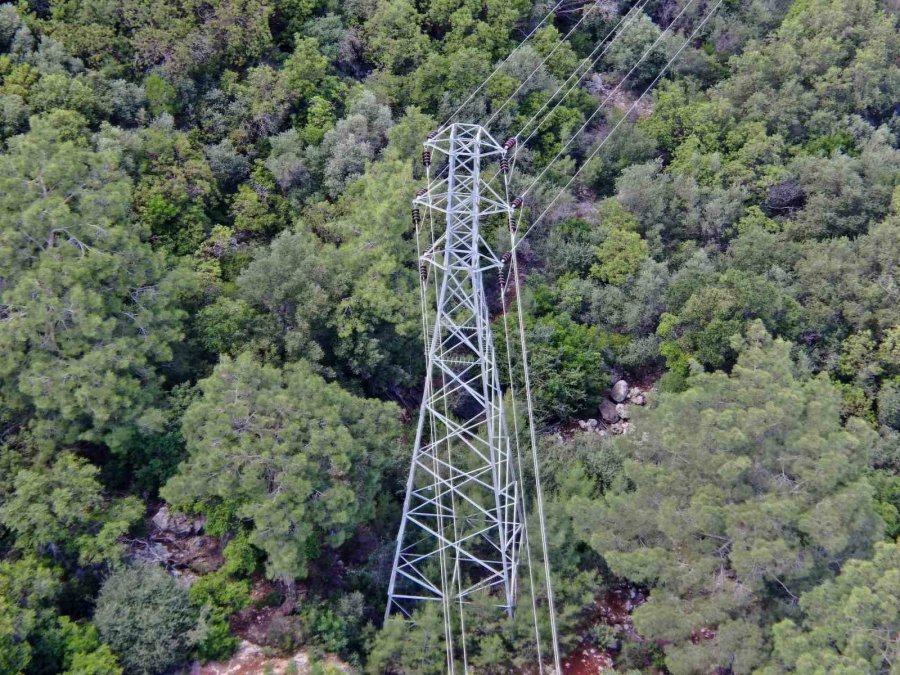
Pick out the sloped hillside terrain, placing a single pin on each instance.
(210, 336)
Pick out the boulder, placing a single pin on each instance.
(608, 412)
(619, 391)
(177, 523)
(583, 425)
(200, 554)
(640, 399)
(593, 424)
(634, 392)
(622, 409)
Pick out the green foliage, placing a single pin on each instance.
(28, 589)
(186, 183)
(747, 490)
(887, 500)
(90, 308)
(219, 595)
(176, 188)
(619, 256)
(146, 619)
(83, 651)
(335, 629)
(299, 457)
(639, 36)
(62, 508)
(848, 623)
(161, 96)
(351, 304)
(715, 313)
(565, 358)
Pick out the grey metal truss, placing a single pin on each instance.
(461, 529)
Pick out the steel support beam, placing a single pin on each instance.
(461, 529)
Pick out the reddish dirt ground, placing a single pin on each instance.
(588, 660)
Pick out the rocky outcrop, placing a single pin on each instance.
(177, 523)
(175, 541)
(252, 659)
(608, 412)
(614, 411)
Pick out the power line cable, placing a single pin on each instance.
(558, 44)
(539, 492)
(591, 60)
(620, 122)
(612, 93)
(515, 415)
(502, 63)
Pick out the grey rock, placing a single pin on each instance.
(593, 424)
(634, 392)
(619, 391)
(640, 399)
(608, 412)
(177, 523)
(622, 409)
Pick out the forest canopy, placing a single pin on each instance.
(211, 351)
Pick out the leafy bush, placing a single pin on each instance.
(567, 363)
(147, 619)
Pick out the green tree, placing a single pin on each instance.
(747, 490)
(61, 508)
(88, 308)
(340, 288)
(566, 360)
(28, 590)
(176, 190)
(619, 256)
(83, 653)
(298, 457)
(147, 619)
(849, 623)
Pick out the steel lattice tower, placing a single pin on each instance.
(461, 530)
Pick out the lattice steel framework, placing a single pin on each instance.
(461, 530)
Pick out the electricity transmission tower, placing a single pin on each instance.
(461, 531)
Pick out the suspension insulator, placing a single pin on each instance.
(510, 143)
(416, 216)
(426, 157)
(503, 274)
(517, 203)
(432, 134)
(513, 225)
(504, 165)
(423, 271)
(422, 192)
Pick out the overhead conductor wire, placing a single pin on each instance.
(502, 63)
(634, 105)
(523, 346)
(612, 93)
(558, 44)
(590, 61)
(539, 491)
(515, 415)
